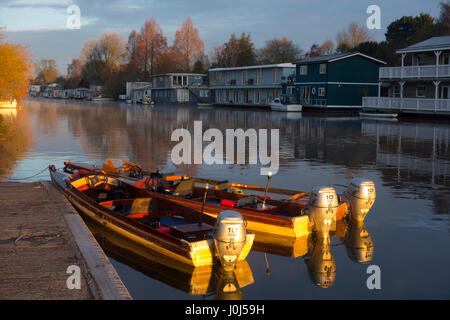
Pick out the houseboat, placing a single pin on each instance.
(421, 85)
(255, 86)
(336, 81)
(170, 88)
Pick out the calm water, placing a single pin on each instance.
(408, 161)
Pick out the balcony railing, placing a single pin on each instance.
(314, 102)
(407, 104)
(415, 72)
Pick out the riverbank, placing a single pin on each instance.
(43, 241)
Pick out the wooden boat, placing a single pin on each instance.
(281, 218)
(193, 281)
(167, 228)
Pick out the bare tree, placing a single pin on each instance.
(352, 36)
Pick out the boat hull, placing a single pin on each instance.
(194, 254)
(286, 107)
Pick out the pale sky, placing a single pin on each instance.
(41, 25)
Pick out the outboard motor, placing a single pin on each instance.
(323, 206)
(321, 264)
(360, 195)
(229, 237)
(358, 243)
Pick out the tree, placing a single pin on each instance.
(150, 45)
(279, 51)
(46, 71)
(408, 30)
(236, 52)
(111, 49)
(352, 37)
(188, 44)
(74, 73)
(314, 51)
(16, 71)
(327, 47)
(444, 18)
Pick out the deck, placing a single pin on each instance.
(41, 235)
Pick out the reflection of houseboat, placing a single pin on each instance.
(420, 85)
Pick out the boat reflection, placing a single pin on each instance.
(358, 242)
(320, 262)
(201, 281)
(316, 250)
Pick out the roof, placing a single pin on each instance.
(179, 74)
(279, 65)
(143, 88)
(337, 56)
(435, 43)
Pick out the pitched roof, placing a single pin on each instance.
(279, 65)
(335, 57)
(431, 44)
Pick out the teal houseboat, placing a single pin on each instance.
(336, 81)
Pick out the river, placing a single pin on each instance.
(409, 161)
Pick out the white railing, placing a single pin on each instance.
(407, 104)
(314, 102)
(413, 72)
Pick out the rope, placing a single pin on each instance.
(26, 178)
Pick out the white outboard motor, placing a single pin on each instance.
(229, 237)
(360, 195)
(323, 206)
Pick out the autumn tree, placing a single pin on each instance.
(150, 45)
(279, 51)
(444, 18)
(16, 71)
(327, 47)
(46, 71)
(351, 37)
(188, 44)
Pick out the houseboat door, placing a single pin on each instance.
(305, 94)
(444, 92)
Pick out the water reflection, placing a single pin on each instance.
(321, 263)
(15, 138)
(208, 281)
(408, 161)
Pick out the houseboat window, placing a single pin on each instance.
(420, 92)
(275, 93)
(321, 92)
(395, 91)
(227, 77)
(304, 70)
(236, 96)
(244, 77)
(258, 76)
(228, 96)
(323, 68)
(257, 96)
(274, 75)
(445, 58)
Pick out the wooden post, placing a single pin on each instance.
(437, 53)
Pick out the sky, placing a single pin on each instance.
(41, 24)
